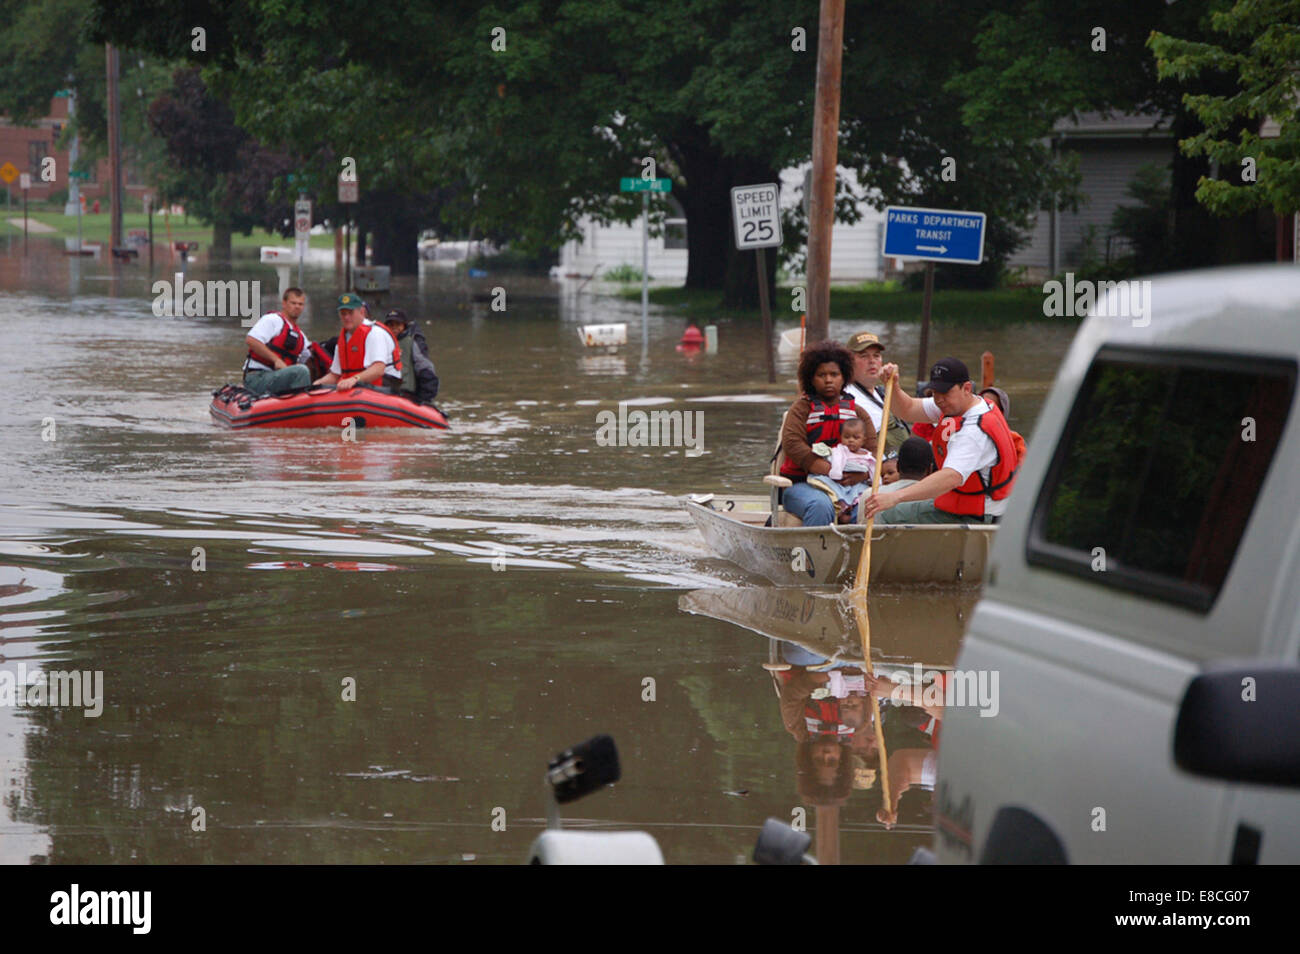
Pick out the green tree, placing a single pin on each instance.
(1256, 43)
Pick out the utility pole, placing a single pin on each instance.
(73, 205)
(825, 153)
(114, 148)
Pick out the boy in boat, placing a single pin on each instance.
(278, 349)
(419, 376)
(915, 462)
(366, 353)
(973, 449)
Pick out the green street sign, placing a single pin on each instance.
(77, 174)
(62, 93)
(645, 185)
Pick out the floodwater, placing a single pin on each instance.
(320, 651)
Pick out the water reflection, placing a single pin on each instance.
(824, 689)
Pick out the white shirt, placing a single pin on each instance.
(867, 402)
(267, 327)
(970, 449)
(379, 347)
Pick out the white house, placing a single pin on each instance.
(1110, 151)
(855, 249)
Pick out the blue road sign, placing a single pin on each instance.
(936, 235)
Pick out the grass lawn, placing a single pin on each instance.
(96, 228)
(870, 301)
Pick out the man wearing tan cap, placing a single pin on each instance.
(868, 358)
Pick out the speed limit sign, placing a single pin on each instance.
(756, 211)
(302, 219)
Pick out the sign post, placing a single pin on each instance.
(25, 183)
(645, 187)
(756, 212)
(933, 235)
(349, 194)
(301, 228)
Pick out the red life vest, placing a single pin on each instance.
(968, 499)
(351, 351)
(287, 344)
(824, 421)
(821, 717)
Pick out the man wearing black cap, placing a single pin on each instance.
(973, 450)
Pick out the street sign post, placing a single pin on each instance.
(301, 230)
(349, 194)
(25, 183)
(645, 187)
(756, 214)
(933, 235)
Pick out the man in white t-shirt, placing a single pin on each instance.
(970, 453)
(365, 350)
(278, 349)
(868, 358)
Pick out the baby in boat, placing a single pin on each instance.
(849, 456)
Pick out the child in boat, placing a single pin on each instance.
(849, 456)
(889, 469)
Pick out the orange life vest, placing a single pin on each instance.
(287, 344)
(823, 427)
(968, 499)
(351, 351)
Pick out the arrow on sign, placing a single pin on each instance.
(941, 249)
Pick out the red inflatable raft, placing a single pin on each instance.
(233, 406)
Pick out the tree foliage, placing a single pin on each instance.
(1256, 43)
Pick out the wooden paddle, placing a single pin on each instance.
(859, 595)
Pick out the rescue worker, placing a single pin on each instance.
(278, 349)
(974, 452)
(419, 377)
(366, 353)
(868, 358)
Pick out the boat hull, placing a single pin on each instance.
(950, 554)
(236, 408)
(904, 629)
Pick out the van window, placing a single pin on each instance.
(1158, 470)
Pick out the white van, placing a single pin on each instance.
(1142, 600)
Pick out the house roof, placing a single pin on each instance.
(1113, 126)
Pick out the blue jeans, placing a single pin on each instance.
(275, 382)
(809, 504)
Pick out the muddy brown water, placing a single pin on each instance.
(493, 593)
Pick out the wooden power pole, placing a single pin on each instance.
(825, 153)
(114, 149)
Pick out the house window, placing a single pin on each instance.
(675, 225)
(37, 150)
(1155, 472)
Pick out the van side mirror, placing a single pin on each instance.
(1241, 723)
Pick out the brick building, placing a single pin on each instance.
(27, 146)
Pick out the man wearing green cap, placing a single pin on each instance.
(868, 358)
(365, 351)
